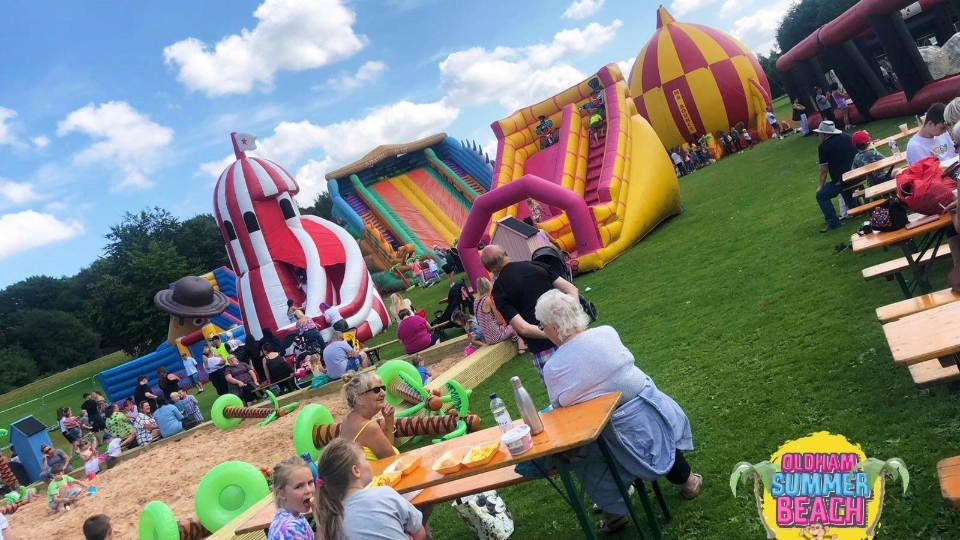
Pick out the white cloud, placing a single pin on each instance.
(127, 141)
(368, 73)
(520, 76)
(581, 9)
(18, 192)
(732, 7)
(343, 142)
(291, 35)
(29, 229)
(625, 67)
(40, 142)
(215, 168)
(759, 29)
(6, 133)
(678, 8)
(311, 181)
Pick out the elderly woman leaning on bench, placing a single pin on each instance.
(647, 423)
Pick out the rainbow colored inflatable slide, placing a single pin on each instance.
(600, 194)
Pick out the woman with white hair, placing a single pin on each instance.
(648, 429)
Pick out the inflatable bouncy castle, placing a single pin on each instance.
(691, 80)
(279, 254)
(400, 200)
(595, 168)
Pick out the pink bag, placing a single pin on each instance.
(924, 189)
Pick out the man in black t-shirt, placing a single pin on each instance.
(516, 289)
(836, 155)
(93, 413)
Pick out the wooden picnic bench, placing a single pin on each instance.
(893, 270)
(948, 472)
(923, 336)
(886, 163)
(898, 310)
(899, 135)
(932, 230)
(864, 208)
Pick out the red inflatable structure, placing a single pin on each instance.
(851, 44)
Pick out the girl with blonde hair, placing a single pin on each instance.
(293, 493)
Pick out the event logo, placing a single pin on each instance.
(820, 487)
(684, 113)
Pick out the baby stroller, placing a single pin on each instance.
(559, 262)
(458, 299)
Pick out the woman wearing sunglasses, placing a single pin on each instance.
(364, 395)
(51, 458)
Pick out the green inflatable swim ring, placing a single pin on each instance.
(216, 414)
(390, 370)
(157, 522)
(4, 433)
(308, 417)
(227, 491)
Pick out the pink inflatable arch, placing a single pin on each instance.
(582, 222)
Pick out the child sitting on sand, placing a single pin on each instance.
(63, 490)
(470, 327)
(344, 509)
(293, 490)
(113, 450)
(91, 461)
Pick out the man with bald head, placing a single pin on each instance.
(516, 288)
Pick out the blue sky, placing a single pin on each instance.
(114, 106)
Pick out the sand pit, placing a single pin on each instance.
(171, 474)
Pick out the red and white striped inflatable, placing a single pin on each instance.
(268, 240)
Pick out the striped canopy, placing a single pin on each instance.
(691, 79)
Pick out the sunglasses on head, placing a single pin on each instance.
(375, 390)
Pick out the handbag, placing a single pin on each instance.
(486, 515)
(924, 189)
(889, 216)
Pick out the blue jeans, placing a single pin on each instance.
(825, 196)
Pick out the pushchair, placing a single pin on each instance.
(559, 262)
(459, 298)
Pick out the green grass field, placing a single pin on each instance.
(740, 310)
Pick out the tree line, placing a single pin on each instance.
(50, 324)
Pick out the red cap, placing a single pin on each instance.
(861, 137)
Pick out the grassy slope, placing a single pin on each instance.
(740, 310)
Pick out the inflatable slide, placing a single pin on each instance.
(280, 255)
(403, 199)
(600, 192)
(188, 336)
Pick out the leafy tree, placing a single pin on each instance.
(53, 339)
(138, 230)
(200, 242)
(41, 292)
(122, 297)
(769, 65)
(804, 17)
(322, 207)
(16, 368)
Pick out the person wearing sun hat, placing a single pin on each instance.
(867, 154)
(836, 153)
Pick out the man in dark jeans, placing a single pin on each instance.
(836, 154)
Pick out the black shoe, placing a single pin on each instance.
(839, 248)
(829, 228)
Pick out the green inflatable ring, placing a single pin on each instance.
(227, 491)
(4, 433)
(390, 370)
(308, 417)
(216, 414)
(459, 393)
(157, 522)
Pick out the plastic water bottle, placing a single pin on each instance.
(500, 413)
(529, 412)
(894, 149)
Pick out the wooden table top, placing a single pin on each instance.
(897, 136)
(875, 166)
(884, 239)
(924, 336)
(564, 429)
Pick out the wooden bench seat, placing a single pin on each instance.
(898, 310)
(864, 208)
(891, 268)
(948, 472)
(934, 372)
(495, 479)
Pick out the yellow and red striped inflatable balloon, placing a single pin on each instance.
(691, 79)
